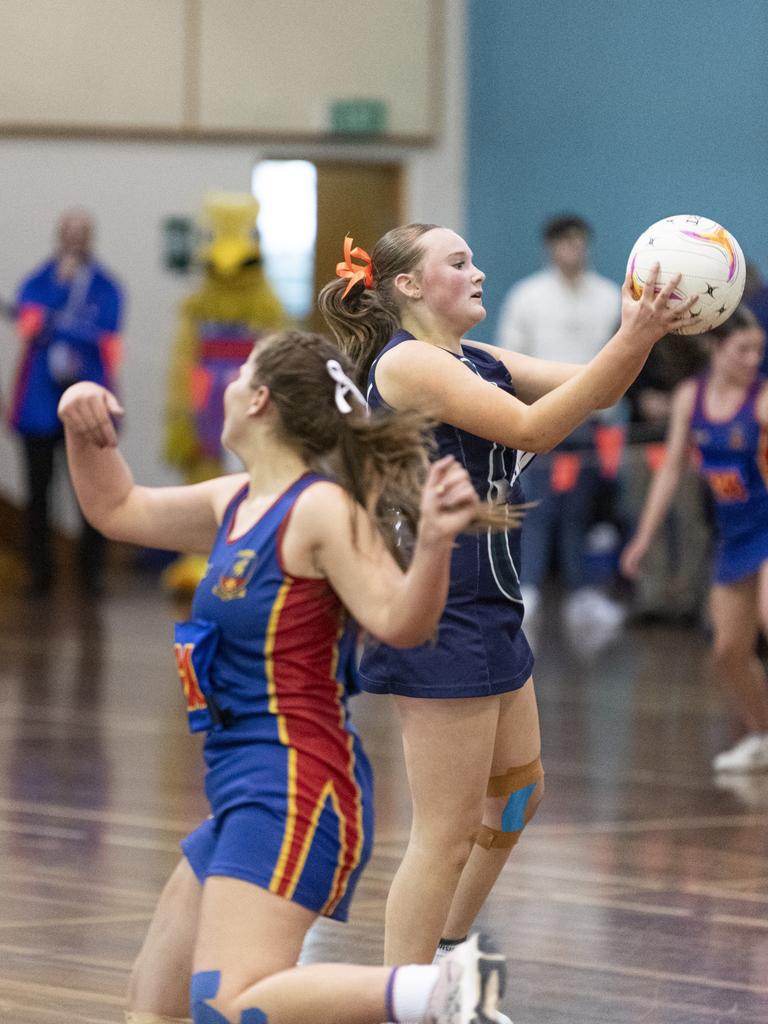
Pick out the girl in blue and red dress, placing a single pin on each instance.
(723, 415)
(297, 556)
(466, 703)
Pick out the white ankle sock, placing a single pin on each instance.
(411, 987)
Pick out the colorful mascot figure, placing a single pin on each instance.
(219, 324)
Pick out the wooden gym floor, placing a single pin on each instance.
(639, 894)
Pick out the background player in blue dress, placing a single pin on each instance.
(266, 663)
(466, 704)
(723, 415)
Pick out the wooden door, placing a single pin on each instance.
(361, 199)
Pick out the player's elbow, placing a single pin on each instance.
(103, 522)
(410, 638)
(408, 634)
(537, 443)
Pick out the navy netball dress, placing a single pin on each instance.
(266, 663)
(480, 648)
(734, 462)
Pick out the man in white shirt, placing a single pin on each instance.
(565, 312)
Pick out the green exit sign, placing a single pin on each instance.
(359, 117)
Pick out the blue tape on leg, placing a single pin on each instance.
(205, 985)
(513, 816)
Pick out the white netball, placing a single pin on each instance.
(709, 258)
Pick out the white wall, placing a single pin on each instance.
(131, 187)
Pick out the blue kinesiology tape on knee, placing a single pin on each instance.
(205, 985)
(513, 816)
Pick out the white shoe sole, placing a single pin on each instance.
(475, 982)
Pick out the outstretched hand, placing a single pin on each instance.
(631, 557)
(88, 410)
(652, 316)
(449, 502)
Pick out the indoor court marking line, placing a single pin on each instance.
(522, 894)
(643, 972)
(544, 831)
(19, 828)
(38, 1012)
(50, 901)
(713, 890)
(113, 722)
(75, 922)
(157, 822)
(655, 825)
(651, 1004)
(66, 958)
(55, 878)
(75, 994)
(744, 922)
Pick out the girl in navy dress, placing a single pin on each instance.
(466, 703)
(723, 415)
(266, 663)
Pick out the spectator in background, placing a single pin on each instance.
(675, 577)
(756, 299)
(69, 312)
(565, 313)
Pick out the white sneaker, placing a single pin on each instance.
(468, 987)
(749, 755)
(588, 606)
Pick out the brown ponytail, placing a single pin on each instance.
(380, 460)
(364, 321)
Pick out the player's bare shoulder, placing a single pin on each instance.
(320, 508)
(411, 373)
(223, 490)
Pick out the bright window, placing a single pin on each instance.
(287, 194)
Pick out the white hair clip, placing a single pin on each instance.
(344, 386)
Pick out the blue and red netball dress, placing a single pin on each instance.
(734, 462)
(267, 662)
(480, 648)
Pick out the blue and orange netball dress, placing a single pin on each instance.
(267, 663)
(734, 462)
(480, 648)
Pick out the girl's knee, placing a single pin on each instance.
(448, 847)
(513, 798)
(207, 1001)
(212, 1003)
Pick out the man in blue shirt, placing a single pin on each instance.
(69, 313)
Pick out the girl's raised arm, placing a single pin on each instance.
(400, 608)
(175, 518)
(417, 375)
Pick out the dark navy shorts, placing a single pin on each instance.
(480, 651)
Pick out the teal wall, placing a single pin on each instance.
(624, 112)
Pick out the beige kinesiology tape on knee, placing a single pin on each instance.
(518, 784)
(141, 1017)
